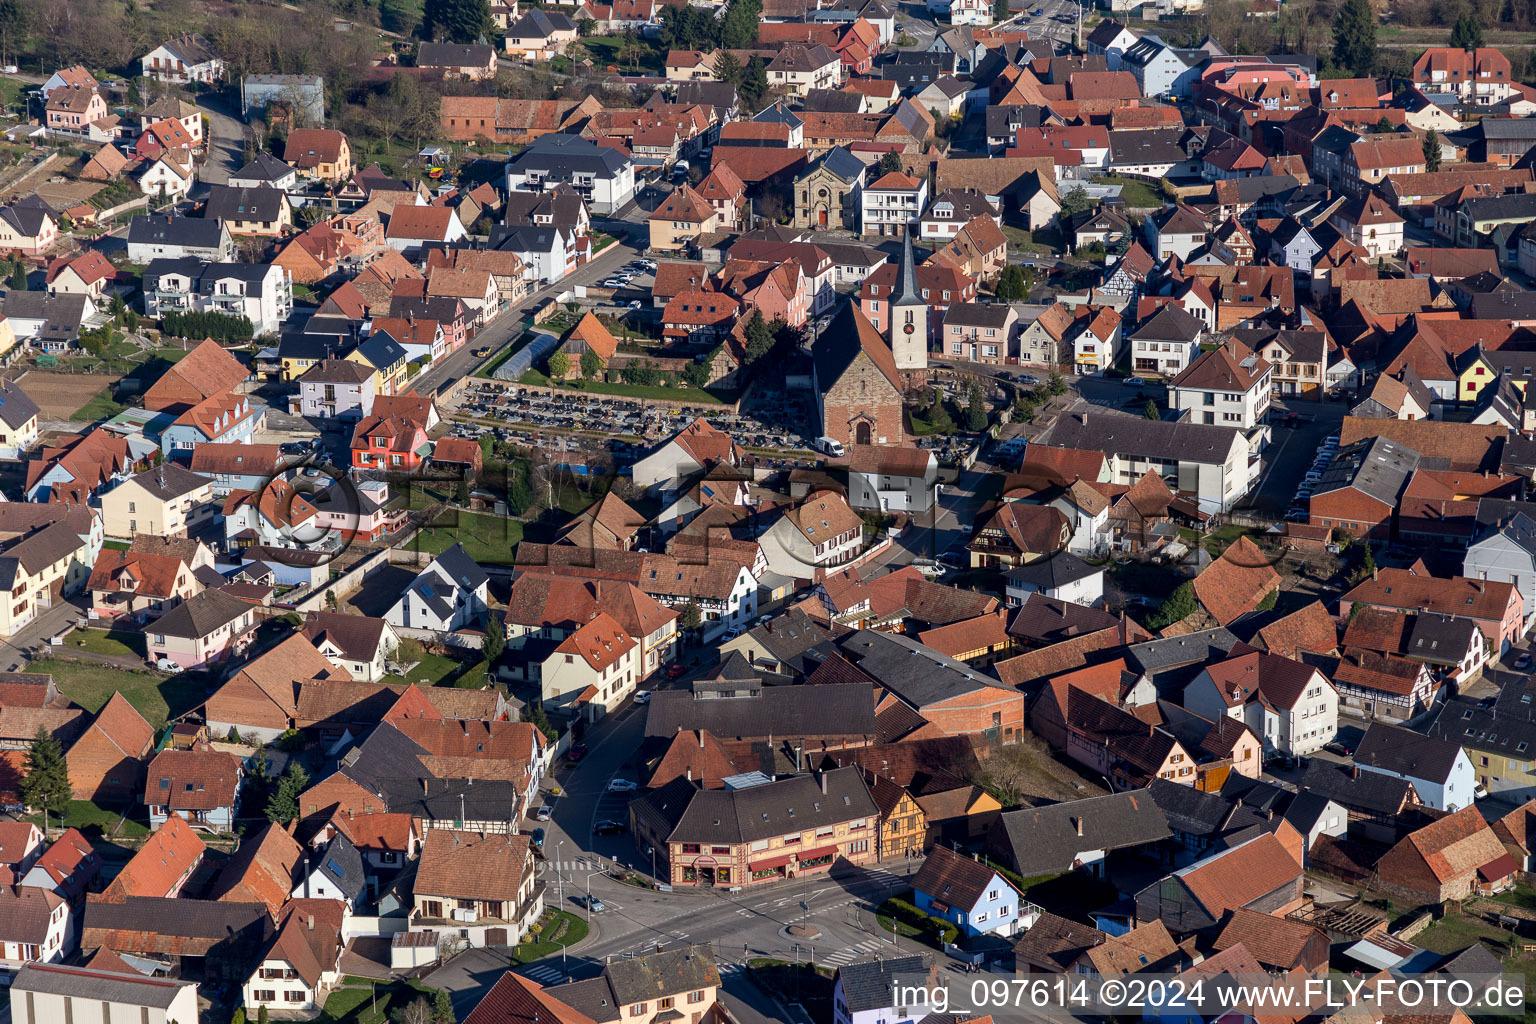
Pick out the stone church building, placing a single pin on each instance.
(858, 387)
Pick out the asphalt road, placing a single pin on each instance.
(226, 140)
(502, 331)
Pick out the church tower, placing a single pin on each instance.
(908, 314)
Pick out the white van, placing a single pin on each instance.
(831, 446)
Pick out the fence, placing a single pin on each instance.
(132, 204)
(315, 600)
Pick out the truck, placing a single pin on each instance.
(830, 446)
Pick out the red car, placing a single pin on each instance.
(675, 670)
(576, 752)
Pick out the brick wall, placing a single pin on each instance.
(94, 761)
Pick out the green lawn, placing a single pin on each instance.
(93, 819)
(156, 697)
(102, 407)
(568, 929)
(434, 669)
(1137, 194)
(534, 377)
(605, 51)
(128, 643)
(371, 1005)
(171, 354)
(1044, 242)
(486, 538)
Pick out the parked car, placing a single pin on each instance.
(622, 786)
(609, 827)
(1336, 747)
(1524, 660)
(576, 752)
(544, 812)
(676, 670)
(642, 696)
(536, 840)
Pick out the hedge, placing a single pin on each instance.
(939, 931)
(218, 326)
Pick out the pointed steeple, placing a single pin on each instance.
(906, 278)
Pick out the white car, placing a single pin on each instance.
(642, 696)
(621, 786)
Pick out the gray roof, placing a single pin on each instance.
(562, 157)
(1170, 323)
(1095, 428)
(685, 969)
(833, 101)
(1190, 649)
(835, 709)
(200, 614)
(164, 922)
(381, 349)
(168, 480)
(1374, 466)
(462, 569)
(919, 675)
(246, 202)
(1509, 128)
(1505, 305)
(389, 763)
(1006, 120)
(252, 275)
(779, 113)
(1519, 528)
(840, 162)
(978, 314)
(539, 24)
(1058, 570)
(16, 407)
(343, 865)
(103, 986)
(1440, 639)
(1401, 751)
(1046, 840)
(867, 986)
(685, 814)
(27, 215)
(265, 167)
(787, 637)
(1515, 206)
(64, 310)
(454, 55)
(1150, 145)
(1366, 791)
(193, 232)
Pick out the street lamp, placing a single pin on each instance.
(560, 874)
(600, 871)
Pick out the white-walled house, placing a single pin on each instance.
(892, 479)
(36, 926)
(1439, 769)
(1226, 387)
(450, 593)
(864, 993)
(1292, 708)
(822, 533)
(1062, 576)
(595, 668)
(479, 886)
(303, 963)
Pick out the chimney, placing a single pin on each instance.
(701, 739)
(423, 787)
(690, 773)
(311, 922)
(1077, 824)
(823, 783)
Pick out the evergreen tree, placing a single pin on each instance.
(976, 410)
(457, 21)
(754, 83)
(534, 715)
(1076, 201)
(442, 1007)
(1001, 10)
(1010, 284)
(1354, 37)
(1180, 604)
(261, 1015)
(283, 805)
(1384, 126)
(1431, 150)
(18, 276)
(495, 638)
(46, 783)
(691, 616)
(1055, 384)
(591, 365)
(890, 162)
(727, 67)
(759, 337)
(696, 375)
(739, 28)
(559, 365)
(1151, 411)
(1467, 33)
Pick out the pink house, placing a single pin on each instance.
(206, 628)
(71, 108)
(364, 514)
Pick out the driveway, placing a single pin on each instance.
(226, 139)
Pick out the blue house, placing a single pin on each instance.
(970, 894)
(221, 419)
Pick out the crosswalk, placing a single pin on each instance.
(573, 866)
(544, 975)
(852, 953)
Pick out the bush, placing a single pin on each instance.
(1180, 603)
(290, 741)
